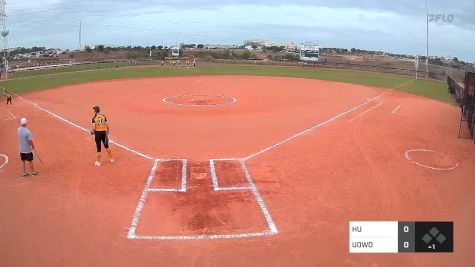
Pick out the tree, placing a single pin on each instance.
(226, 54)
(164, 54)
(153, 47)
(100, 48)
(160, 47)
(456, 60)
(244, 55)
(200, 46)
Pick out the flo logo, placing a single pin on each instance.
(447, 18)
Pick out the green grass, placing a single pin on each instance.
(426, 88)
(74, 68)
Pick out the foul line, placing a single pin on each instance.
(6, 160)
(367, 111)
(402, 84)
(394, 111)
(325, 122)
(315, 127)
(85, 130)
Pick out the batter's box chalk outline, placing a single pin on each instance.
(271, 229)
(182, 189)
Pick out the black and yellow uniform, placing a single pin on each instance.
(101, 131)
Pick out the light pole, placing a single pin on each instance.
(450, 66)
(427, 51)
(4, 32)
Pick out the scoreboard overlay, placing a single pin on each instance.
(400, 237)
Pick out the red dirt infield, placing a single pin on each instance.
(270, 179)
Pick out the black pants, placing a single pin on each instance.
(101, 137)
(9, 100)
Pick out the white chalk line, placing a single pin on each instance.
(6, 160)
(183, 175)
(202, 237)
(260, 201)
(214, 177)
(272, 229)
(86, 130)
(325, 122)
(313, 128)
(233, 188)
(402, 84)
(397, 108)
(406, 155)
(183, 184)
(143, 197)
(367, 111)
(12, 116)
(135, 220)
(138, 210)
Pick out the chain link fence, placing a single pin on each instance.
(436, 72)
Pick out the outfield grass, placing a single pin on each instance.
(427, 88)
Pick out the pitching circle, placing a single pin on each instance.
(199, 100)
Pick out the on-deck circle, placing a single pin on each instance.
(6, 160)
(431, 159)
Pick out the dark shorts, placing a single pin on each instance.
(101, 137)
(9, 99)
(26, 156)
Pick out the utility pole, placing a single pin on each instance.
(80, 36)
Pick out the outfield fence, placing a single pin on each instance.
(436, 72)
(75, 67)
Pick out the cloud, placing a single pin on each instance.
(397, 26)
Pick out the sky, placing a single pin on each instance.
(390, 26)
